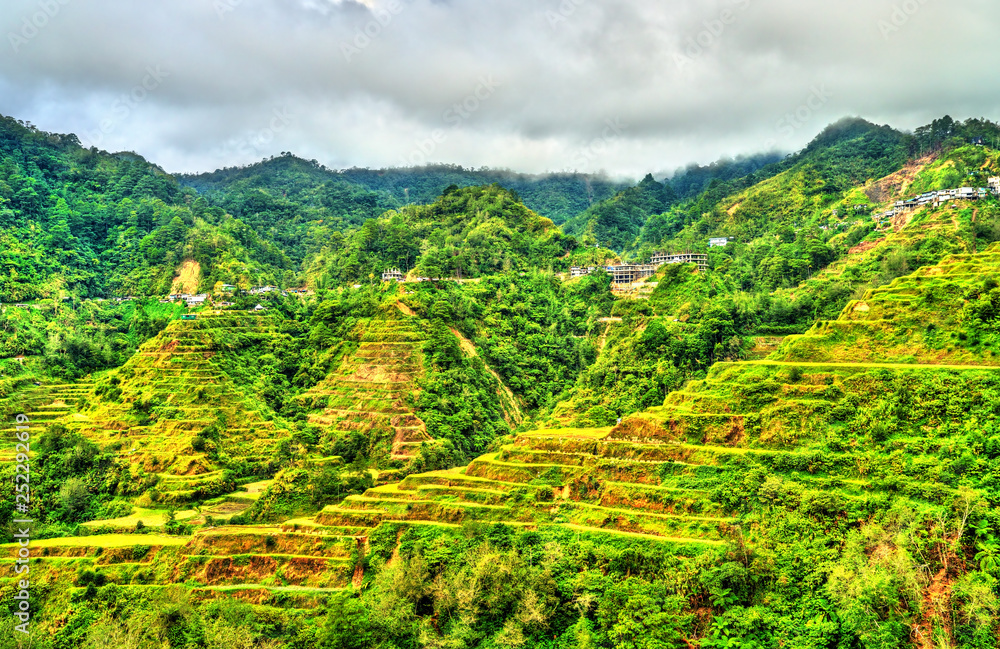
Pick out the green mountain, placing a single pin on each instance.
(616, 222)
(804, 497)
(792, 448)
(466, 233)
(694, 179)
(558, 196)
(83, 223)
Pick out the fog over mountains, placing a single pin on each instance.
(528, 84)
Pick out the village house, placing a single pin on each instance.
(628, 273)
(393, 275)
(938, 198)
(580, 271)
(661, 258)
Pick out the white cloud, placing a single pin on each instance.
(368, 82)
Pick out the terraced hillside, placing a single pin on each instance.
(256, 564)
(175, 410)
(847, 439)
(43, 404)
(374, 386)
(935, 315)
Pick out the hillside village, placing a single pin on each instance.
(942, 197)
(794, 450)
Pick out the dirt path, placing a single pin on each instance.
(891, 366)
(470, 349)
(936, 608)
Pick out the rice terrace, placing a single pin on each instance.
(562, 326)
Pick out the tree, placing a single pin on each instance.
(74, 496)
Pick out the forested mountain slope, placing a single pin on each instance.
(466, 233)
(84, 223)
(792, 448)
(616, 222)
(805, 502)
(557, 196)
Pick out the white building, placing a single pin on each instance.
(662, 258)
(718, 242)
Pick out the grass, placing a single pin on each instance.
(637, 535)
(149, 518)
(581, 433)
(106, 541)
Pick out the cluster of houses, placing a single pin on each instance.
(938, 198)
(194, 301)
(190, 300)
(629, 273)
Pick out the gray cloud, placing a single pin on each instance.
(386, 82)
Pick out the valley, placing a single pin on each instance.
(790, 442)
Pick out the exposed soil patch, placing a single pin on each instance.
(865, 247)
(188, 277)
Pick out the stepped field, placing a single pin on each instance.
(834, 426)
(372, 388)
(43, 404)
(254, 563)
(920, 318)
(174, 409)
(837, 423)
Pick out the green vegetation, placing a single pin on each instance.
(617, 222)
(467, 233)
(358, 191)
(794, 448)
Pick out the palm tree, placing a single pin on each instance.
(988, 555)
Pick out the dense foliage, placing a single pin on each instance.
(617, 222)
(839, 493)
(465, 233)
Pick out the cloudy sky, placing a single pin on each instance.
(626, 86)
